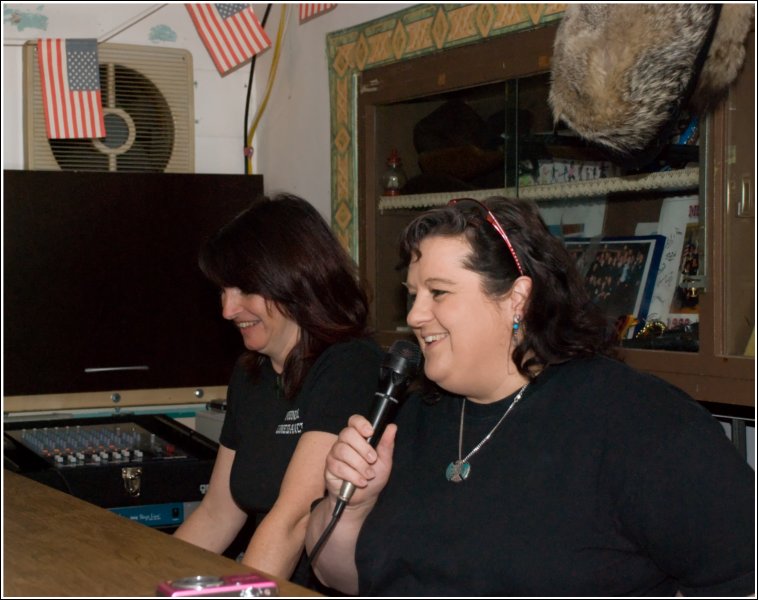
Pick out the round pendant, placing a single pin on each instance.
(457, 471)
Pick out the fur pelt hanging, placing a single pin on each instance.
(622, 72)
(725, 56)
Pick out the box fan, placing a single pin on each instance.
(148, 106)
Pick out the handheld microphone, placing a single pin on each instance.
(398, 368)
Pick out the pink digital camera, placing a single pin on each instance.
(240, 586)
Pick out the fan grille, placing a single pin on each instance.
(148, 107)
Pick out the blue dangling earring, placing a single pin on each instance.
(514, 340)
(516, 325)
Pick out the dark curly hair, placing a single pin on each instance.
(283, 250)
(560, 321)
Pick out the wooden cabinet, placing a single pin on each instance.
(474, 121)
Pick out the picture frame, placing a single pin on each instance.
(683, 303)
(679, 223)
(620, 273)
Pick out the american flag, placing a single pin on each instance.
(309, 11)
(230, 32)
(70, 78)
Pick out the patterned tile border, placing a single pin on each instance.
(403, 35)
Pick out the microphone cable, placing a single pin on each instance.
(336, 514)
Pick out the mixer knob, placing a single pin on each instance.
(96, 459)
(138, 454)
(71, 459)
(58, 459)
(116, 455)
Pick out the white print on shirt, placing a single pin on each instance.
(290, 428)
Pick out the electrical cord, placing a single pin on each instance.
(59, 475)
(269, 84)
(338, 510)
(246, 169)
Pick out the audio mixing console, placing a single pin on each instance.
(146, 467)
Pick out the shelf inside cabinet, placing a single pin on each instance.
(678, 180)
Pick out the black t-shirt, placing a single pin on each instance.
(601, 482)
(263, 427)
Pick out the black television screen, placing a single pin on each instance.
(101, 285)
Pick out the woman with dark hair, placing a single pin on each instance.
(540, 465)
(310, 363)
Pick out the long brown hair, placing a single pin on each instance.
(283, 250)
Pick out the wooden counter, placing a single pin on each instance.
(58, 545)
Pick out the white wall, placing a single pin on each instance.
(292, 148)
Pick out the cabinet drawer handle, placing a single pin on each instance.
(745, 207)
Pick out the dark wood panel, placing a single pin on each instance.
(100, 271)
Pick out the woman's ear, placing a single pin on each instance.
(521, 291)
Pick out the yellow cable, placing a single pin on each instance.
(269, 85)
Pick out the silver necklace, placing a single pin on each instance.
(460, 469)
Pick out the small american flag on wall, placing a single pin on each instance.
(309, 11)
(70, 78)
(231, 33)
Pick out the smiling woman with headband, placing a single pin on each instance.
(535, 463)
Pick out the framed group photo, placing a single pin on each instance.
(620, 273)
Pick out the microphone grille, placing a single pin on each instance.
(409, 351)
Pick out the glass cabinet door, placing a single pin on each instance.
(635, 229)
(636, 233)
(738, 225)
